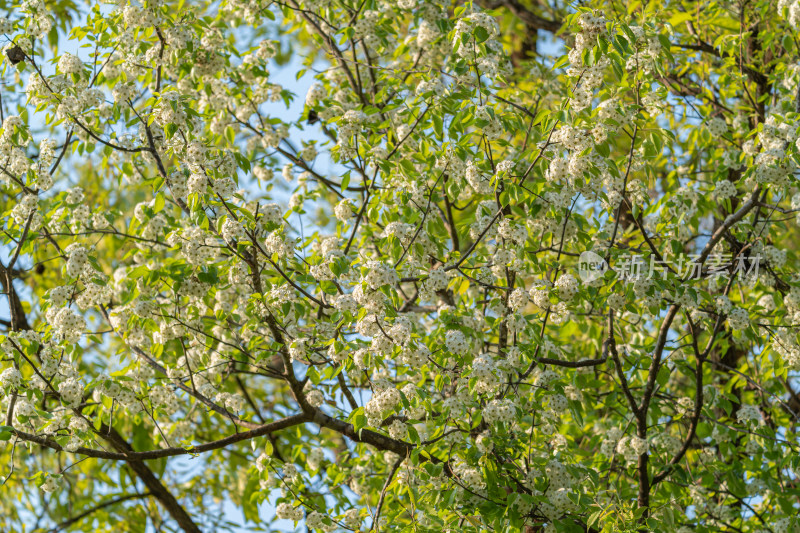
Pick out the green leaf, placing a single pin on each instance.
(679, 18)
(438, 125)
(159, 203)
(663, 375)
(249, 507)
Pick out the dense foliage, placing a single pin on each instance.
(373, 312)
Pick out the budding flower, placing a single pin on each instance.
(50, 484)
(567, 286)
(344, 210)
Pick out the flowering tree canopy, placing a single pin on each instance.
(510, 265)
